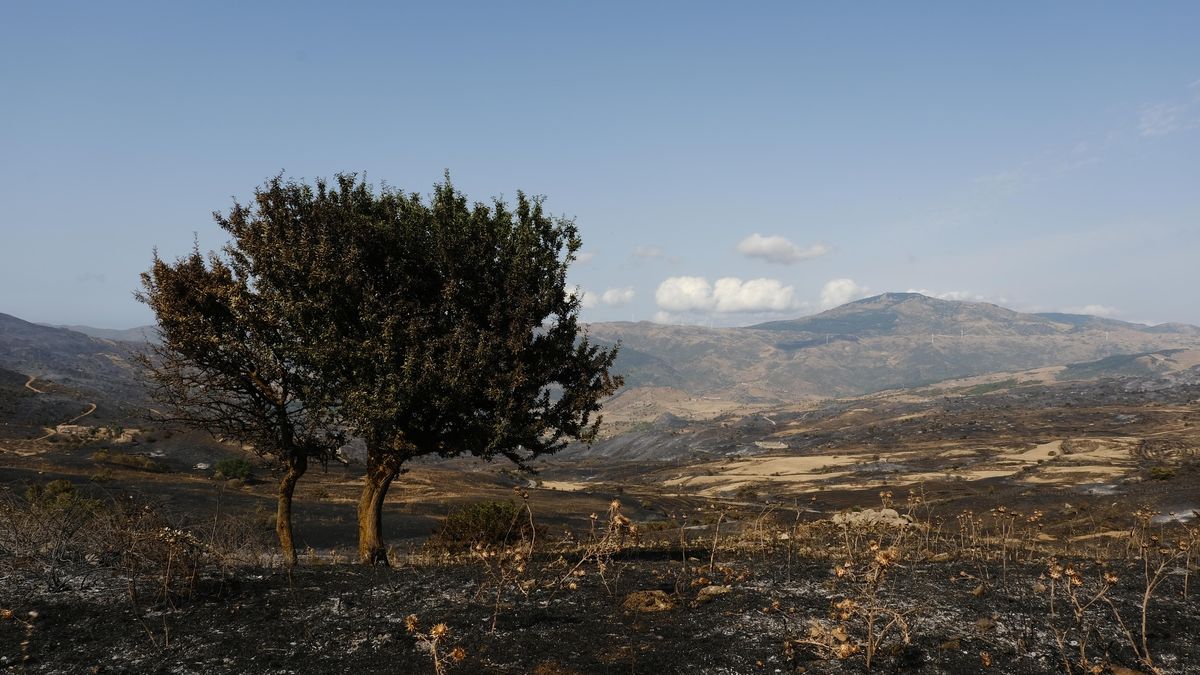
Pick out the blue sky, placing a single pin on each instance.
(1045, 156)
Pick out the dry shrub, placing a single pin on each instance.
(68, 537)
(485, 523)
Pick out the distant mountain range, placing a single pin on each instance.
(138, 334)
(889, 341)
(894, 340)
(70, 358)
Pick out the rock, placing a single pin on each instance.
(708, 593)
(648, 601)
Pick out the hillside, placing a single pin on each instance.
(70, 358)
(136, 334)
(895, 340)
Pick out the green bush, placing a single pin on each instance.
(235, 468)
(488, 522)
(133, 461)
(1162, 472)
(58, 495)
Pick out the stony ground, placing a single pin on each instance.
(647, 614)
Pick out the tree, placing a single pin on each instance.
(226, 364)
(437, 328)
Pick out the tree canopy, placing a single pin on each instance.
(429, 326)
(227, 365)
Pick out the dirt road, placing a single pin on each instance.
(91, 409)
(30, 387)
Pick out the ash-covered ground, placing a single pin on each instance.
(779, 609)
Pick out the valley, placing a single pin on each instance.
(775, 481)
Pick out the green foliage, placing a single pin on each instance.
(125, 459)
(424, 327)
(989, 387)
(235, 468)
(226, 364)
(58, 495)
(439, 326)
(44, 494)
(1162, 472)
(494, 522)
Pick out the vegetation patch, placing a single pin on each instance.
(989, 387)
(128, 460)
(488, 523)
(235, 468)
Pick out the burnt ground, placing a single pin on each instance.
(332, 618)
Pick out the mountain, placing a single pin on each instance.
(70, 358)
(895, 314)
(138, 334)
(889, 341)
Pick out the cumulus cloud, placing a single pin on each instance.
(684, 294)
(612, 297)
(755, 295)
(727, 295)
(617, 296)
(587, 299)
(1092, 310)
(778, 249)
(840, 291)
(962, 296)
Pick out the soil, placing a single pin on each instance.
(328, 618)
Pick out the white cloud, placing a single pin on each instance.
(684, 294)
(962, 296)
(649, 253)
(617, 296)
(584, 257)
(1161, 119)
(731, 294)
(587, 299)
(778, 249)
(611, 297)
(1092, 310)
(840, 291)
(727, 295)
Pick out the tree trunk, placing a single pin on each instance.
(296, 466)
(371, 550)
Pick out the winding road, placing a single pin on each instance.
(29, 385)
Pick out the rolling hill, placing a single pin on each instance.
(70, 358)
(889, 341)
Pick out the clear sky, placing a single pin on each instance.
(1041, 155)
